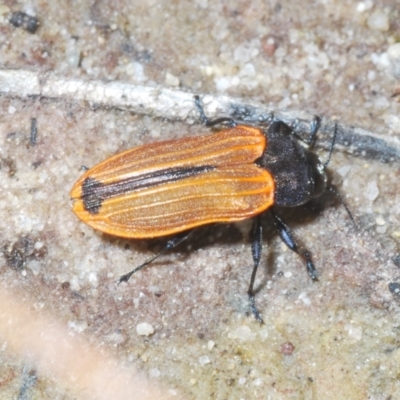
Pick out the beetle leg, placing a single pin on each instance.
(287, 237)
(170, 245)
(314, 128)
(256, 249)
(315, 124)
(212, 122)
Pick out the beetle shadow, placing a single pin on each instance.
(293, 217)
(199, 238)
(230, 234)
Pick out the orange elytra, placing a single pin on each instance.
(168, 187)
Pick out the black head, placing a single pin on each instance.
(298, 173)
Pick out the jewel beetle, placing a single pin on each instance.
(173, 186)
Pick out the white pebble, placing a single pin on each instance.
(204, 360)
(144, 329)
(393, 121)
(171, 80)
(248, 71)
(136, 71)
(393, 56)
(224, 83)
(242, 333)
(354, 332)
(381, 229)
(364, 6)
(34, 266)
(304, 298)
(379, 21)
(38, 245)
(154, 373)
(393, 52)
(372, 191)
(93, 279)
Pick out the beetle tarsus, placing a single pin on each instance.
(312, 273)
(212, 122)
(126, 277)
(254, 309)
(314, 128)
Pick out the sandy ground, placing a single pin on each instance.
(181, 328)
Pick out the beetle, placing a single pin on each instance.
(173, 186)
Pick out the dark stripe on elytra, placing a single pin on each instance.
(95, 192)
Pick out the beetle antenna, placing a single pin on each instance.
(331, 188)
(344, 204)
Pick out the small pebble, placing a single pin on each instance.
(154, 373)
(204, 360)
(242, 333)
(171, 80)
(144, 329)
(394, 288)
(22, 20)
(372, 191)
(287, 348)
(242, 381)
(379, 21)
